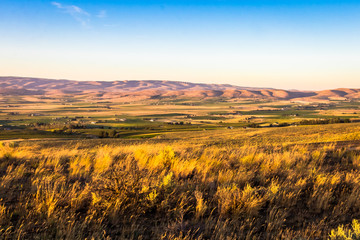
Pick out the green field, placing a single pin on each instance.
(77, 118)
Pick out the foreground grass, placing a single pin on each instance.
(185, 187)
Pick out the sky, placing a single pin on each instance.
(287, 44)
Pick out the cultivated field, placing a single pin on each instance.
(24, 117)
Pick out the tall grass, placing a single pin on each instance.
(179, 190)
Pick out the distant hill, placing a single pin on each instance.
(145, 89)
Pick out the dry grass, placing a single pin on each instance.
(187, 189)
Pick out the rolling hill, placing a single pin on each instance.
(152, 89)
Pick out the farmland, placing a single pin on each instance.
(24, 117)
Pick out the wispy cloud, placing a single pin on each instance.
(76, 12)
(102, 14)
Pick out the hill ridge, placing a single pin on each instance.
(143, 89)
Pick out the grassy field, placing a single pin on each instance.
(179, 169)
(266, 183)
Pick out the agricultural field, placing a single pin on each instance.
(27, 117)
(188, 169)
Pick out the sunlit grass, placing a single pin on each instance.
(254, 184)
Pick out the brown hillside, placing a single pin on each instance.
(152, 89)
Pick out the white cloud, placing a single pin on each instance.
(76, 12)
(102, 14)
(58, 5)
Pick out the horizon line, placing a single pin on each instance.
(167, 80)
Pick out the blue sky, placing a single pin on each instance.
(282, 44)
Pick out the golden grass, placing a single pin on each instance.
(200, 188)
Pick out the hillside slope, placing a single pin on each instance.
(145, 89)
